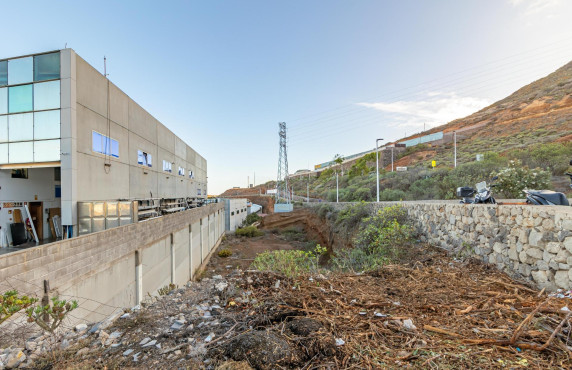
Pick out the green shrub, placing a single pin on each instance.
(323, 210)
(516, 177)
(56, 312)
(291, 263)
(349, 217)
(223, 253)
(11, 303)
(381, 239)
(251, 218)
(390, 195)
(248, 231)
(166, 289)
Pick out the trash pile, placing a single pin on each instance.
(433, 312)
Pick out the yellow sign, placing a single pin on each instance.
(434, 163)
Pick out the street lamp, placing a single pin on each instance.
(377, 166)
(455, 144)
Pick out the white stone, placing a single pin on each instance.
(498, 247)
(561, 279)
(534, 253)
(542, 265)
(535, 238)
(553, 247)
(567, 224)
(80, 327)
(512, 253)
(539, 276)
(568, 244)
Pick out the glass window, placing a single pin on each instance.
(20, 71)
(47, 67)
(3, 153)
(21, 127)
(3, 129)
(20, 98)
(181, 171)
(149, 160)
(21, 152)
(47, 95)
(4, 73)
(114, 149)
(4, 100)
(144, 159)
(47, 125)
(167, 166)
(47, 150)
(96, 142)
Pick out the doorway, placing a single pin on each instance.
(37, 214)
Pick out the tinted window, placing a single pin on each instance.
(21, 127)
(4, 100)
(47, 125)
(47, 95)
(4, 73)
(20, 98)
(20, 71)
(46, 67)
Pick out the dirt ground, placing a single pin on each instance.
(430, 311)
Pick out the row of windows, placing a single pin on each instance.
(104, 145)
(30, 69)
(30, 151)
(31, 97)
(30, 126)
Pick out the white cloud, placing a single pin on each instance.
(437, 109)
(531, 7)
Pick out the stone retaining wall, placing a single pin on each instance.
(532, 241)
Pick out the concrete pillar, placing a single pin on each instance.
(190, 252)
(201, 238)
(138, 278)
(173, 277)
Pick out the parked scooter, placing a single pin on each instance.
(548, 197)
(482, 193)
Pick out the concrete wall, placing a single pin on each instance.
(534, 242)
(117, 267)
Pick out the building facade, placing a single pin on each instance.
(69, 135)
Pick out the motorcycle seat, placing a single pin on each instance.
(551, 196)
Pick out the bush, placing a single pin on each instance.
(515, 178)
(290, 263)
(55, 312)
(223, 253)
(11, 303)
(323, 210)
(248, 231)
(251, 218)
(349, 217)
(390, 195)
(381, 239)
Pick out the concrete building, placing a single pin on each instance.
(235, 212)
(69, 135)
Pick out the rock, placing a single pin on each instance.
(150, 344)
(408, 324)
(542, 265)
(561, 279)
(80, 328)
(144, 341)
(217, 277)
(128, 352)
(553, 247)
(221, 286)
(535, 253)
(83, 351)
(136, 357)
(15, 359)
(210, 337)
(568, 244)
(115, 335)
(124, 316)
(65, 344)
(539, 276)
(535, 238)
(177, 325)
(178, 352)
(94, 328)
(103, 335)
(567, 224)
(31, 345)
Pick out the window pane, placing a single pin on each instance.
(3, 153)
(4, 73)
(21, 152)
(47, 95)
(20, 98)
(140, 157)
(149, 160)
(114, 148)
(47, 151)
(3, 129)
(4, 100)
(47, 125)
(20, 71)
(96, 142)
(46, 67)
(21, 127)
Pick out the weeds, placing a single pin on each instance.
(50, 316)
(250, 219)
(166, 289)
(248, 231)
(223, 253)
(11, 303)
(291, 263)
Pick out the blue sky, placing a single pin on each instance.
(222, 74)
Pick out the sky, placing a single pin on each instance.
(222, 74)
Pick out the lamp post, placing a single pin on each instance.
(377, 166)
(337, 188)
(392, 157)
(455, 141)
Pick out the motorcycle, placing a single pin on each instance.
(547, 197)
(482, 193)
